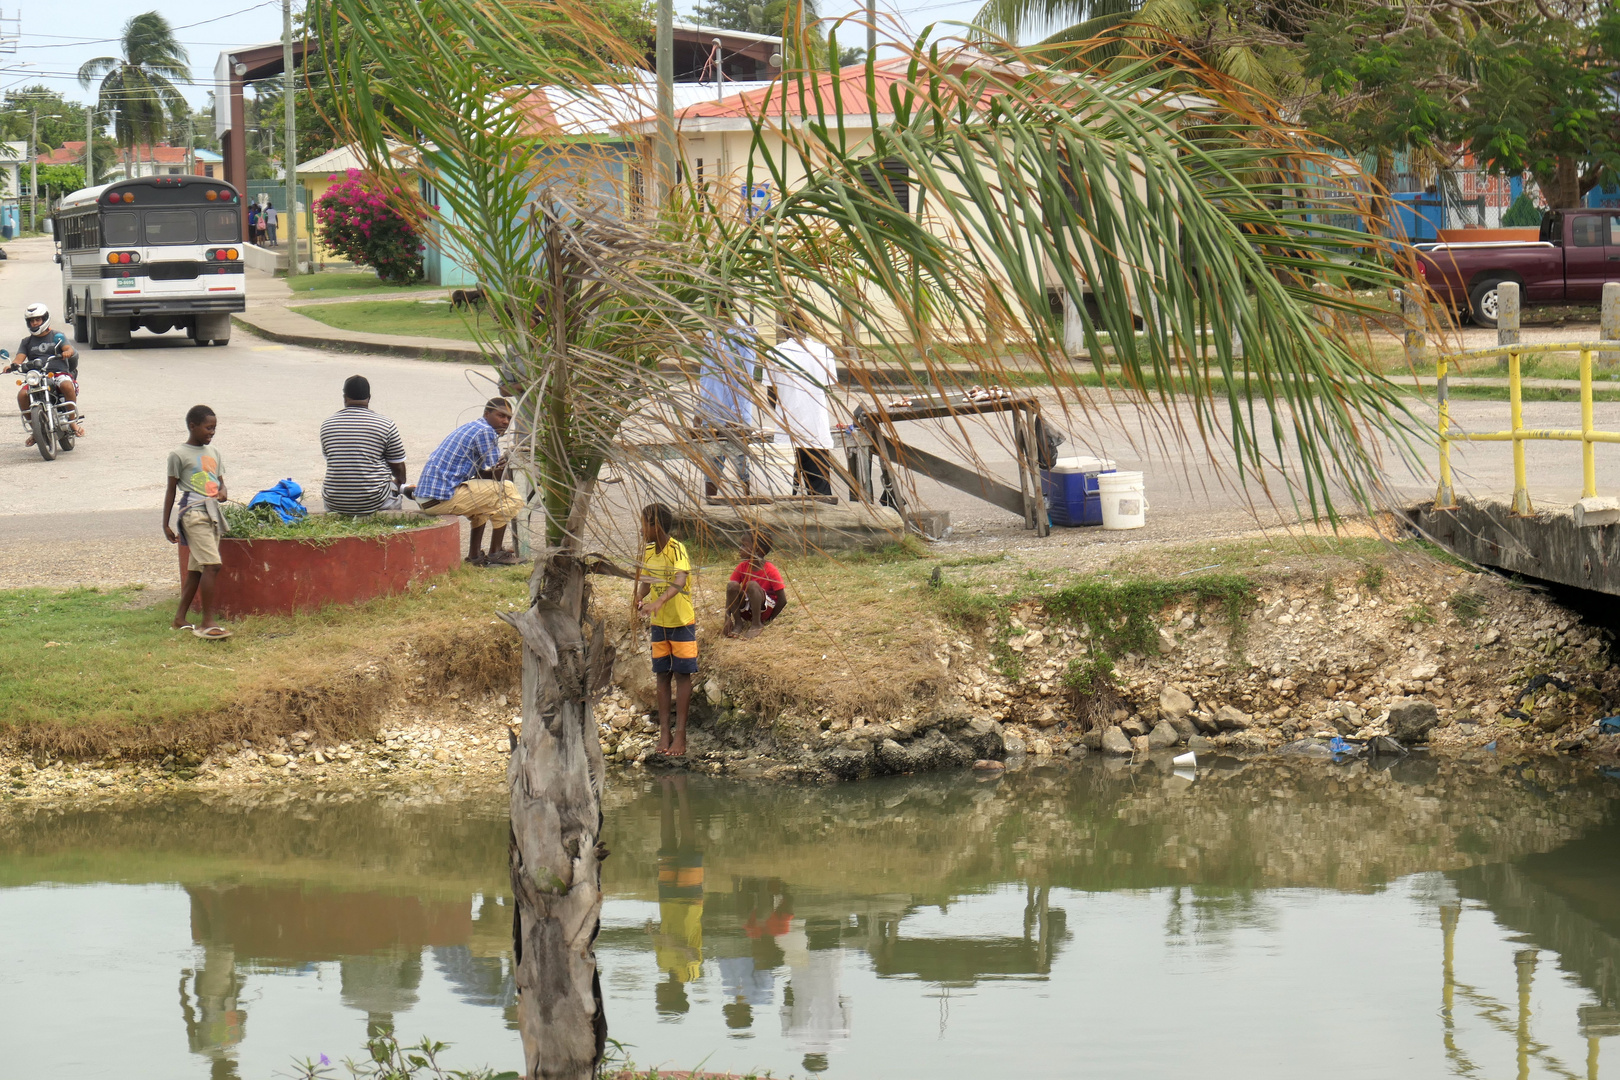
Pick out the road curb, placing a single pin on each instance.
(332, 343)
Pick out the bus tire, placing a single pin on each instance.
(81, 329)
(90, 329)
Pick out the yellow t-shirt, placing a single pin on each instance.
(660, 568)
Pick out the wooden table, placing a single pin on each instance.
(872, 433)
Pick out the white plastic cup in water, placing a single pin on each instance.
(1189, 760)
(1185, 774)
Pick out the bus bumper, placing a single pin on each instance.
(140, 307)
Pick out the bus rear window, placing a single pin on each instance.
(171, 227)
(223, 226)
(119, 230)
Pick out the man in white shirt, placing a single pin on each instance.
(802, 371)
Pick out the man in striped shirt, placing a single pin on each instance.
(365, 458)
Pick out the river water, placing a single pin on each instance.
(1262, 920)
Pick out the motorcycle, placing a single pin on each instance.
(50, 417)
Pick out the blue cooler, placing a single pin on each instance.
(1071, 492)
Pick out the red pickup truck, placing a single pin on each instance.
(1577, 252)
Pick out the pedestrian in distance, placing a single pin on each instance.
(756, 593)
(197, 474)
(271, 219)
(253, 223)
(663, 595)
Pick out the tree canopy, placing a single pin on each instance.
(137, 90)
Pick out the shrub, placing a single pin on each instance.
(355, 220)
(1522, 214)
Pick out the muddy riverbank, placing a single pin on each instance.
(1282, 660)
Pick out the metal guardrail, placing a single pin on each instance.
(1517, 434)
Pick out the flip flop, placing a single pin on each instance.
(188, 626)
(213, 633)
(501, 558)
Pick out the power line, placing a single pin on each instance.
(68, 43)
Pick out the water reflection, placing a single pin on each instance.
(965, 920)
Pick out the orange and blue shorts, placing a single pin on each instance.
(674, 649)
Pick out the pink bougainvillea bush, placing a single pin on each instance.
(353, 218)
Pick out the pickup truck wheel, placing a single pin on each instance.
(1482, 304)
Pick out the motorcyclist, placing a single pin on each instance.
(47, 350)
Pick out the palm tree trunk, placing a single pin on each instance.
(555, 850)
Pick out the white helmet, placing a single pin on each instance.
(43, 314)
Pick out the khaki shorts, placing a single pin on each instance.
(481, 502)
(202, 538)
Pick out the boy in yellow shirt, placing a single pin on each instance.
(664, 564)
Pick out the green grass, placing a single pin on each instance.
(262, 523)
(412, 318)
(342, 282)
(89, 658)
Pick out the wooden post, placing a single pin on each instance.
(1507, 317)
(1416, 325)
(1611, 322)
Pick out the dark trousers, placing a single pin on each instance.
(815, 471)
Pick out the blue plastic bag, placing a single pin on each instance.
(1609, 725)
(285, 498)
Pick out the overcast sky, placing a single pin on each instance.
(58, 37)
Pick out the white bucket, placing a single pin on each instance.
(1123, 498)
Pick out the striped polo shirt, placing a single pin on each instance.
(359, 445)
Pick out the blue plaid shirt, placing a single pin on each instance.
(464, 451)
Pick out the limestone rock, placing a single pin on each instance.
(1425, 672)
(1014, 744)
(276, 761)
(1174, 704)
(937, 751)
(1115, 742)
(894, 757)
(1162, 737)
(1491, 636)
(1183, 727)
(983, 739)
(1200, 743)
(1228, 718)
(1134, 727)
(1411, 719)
(1047, 717)
(846, 763)
(1167, 641)
(1205, 721)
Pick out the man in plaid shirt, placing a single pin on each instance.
(465, 477)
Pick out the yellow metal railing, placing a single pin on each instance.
(1517, 434)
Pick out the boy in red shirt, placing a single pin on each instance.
(756, 593)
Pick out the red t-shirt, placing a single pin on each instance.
(768, 576)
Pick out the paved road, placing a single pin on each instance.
(91, 515)
(102, 500)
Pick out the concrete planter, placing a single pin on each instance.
(278, 577)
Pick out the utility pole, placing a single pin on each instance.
(33, 170)
(664, 60)
(290, 157)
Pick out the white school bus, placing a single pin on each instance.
(159, 253)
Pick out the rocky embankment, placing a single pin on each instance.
(1438, 658)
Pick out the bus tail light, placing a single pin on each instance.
(118, 258)
(221, 254)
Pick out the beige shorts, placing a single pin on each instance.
(481, 502)
(202, 537)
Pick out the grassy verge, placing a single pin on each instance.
(351, 282)
(86, 670)
(412, 318)
(262, 523)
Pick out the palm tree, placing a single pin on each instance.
(1197, 228)
(1257, 46)
(138, 91)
